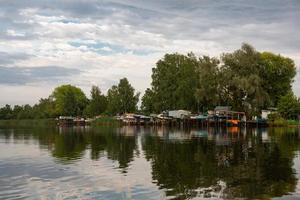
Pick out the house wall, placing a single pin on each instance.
(265, 113)
(178, 113)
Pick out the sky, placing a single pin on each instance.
(46, 43)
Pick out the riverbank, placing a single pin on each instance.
(284, 123)
(24, 123)
(112, 121)
(105, 121)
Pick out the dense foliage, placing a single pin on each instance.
(97, 104)
(289, 106)
(122, 98)
(69, 100)
(245, 79)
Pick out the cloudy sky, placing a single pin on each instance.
(45, 43)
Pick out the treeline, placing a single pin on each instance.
(245, 79)
(69, 100)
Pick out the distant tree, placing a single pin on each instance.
(289, 106)
(6, 112)
(147, 106)
(113, 105)
(69, 100)
(128, 98)
(97, 103)
(45, 108)
(26, 112)
(16, 111)
(277, 73)
(122, 98)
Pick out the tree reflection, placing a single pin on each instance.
(71, 145)
(227, 163)
(249, 167)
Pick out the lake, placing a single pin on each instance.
(149, 163)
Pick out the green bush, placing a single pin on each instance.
(280, 122)
(293, 122)
(274, 116)
(105, 120)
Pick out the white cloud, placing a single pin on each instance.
(13, 33)
(112, 39)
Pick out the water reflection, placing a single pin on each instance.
(220, 163)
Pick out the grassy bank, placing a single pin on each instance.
(283, 123)
(105, 121)
(24, 123)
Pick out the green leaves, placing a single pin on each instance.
(98, 103)
(174, 83)
(147, 102)
(289, 106)
(69, 100)
(122, 98)
(207, 91)
(278, 73)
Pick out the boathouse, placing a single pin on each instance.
(179, 114)
(265, 113)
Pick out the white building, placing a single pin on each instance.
(265, 113)
(179, 114)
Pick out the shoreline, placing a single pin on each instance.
(109, 121)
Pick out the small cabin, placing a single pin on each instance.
(65, 121)
(219, 110)
(179, 114)
(267, 112)
(224, 113)
(134, 119)
(128, 118)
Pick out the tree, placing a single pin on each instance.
(25, 112)
(174, 82)
(241, 82)
(113, 105)
(147, 102)
(6, 112)
(97, 104)
(277, 73)
(289, 106)
(16, 111)
(69, 100)
(122, 98)
(45, 108)
(207, 91)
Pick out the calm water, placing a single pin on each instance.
(148, 163)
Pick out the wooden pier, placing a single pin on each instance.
(217, 118)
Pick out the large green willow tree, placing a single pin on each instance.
(245, 79)
(242, 86)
